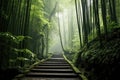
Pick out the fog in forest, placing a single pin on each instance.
(65, 19)
(85, 32)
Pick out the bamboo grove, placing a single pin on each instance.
(90, 32)
(96, 15)
(93, 19)
(23, 33)
(28, 28)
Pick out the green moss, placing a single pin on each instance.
(75, 69)
(101, 63)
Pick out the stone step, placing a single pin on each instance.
(57, 59)
(53, 62)
(49, 78)
(44, 64)
(52, 67)
(53, 70)
(57, 56)
(35, 74)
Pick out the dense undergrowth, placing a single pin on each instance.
(100, 63)
(14, 59)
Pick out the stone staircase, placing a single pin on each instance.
(55, 68)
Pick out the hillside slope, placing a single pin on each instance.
(101, 63)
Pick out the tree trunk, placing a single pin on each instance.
(103, 6)
(78, 20)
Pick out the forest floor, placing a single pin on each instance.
(101, 63)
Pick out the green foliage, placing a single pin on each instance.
(98, 61)
(38, 19)
(7, 38)
(106, 55)
(76, 42)
(21, 38)
(112, 25)
(39, 27)
(24, 57)
(26, 53)
(10, 54)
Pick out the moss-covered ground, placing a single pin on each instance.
(100, 62)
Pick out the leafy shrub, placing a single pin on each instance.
(10, 55)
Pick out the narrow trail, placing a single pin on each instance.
(55, 68)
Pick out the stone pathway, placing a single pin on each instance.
(55, 68)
